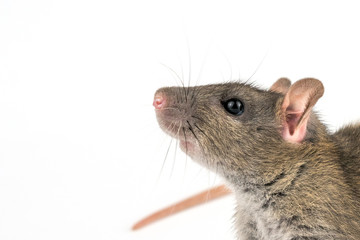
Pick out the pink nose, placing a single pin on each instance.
(159, 102)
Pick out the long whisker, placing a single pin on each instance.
(177, 76)
(258, 66)
(222, 75)
(202, 66)
(167, 152)
(173, 165)
(216, 172)
(182, 72)
(174, 73)
(182, 82)
(189, 55)
(186, 149)
(176, 146)
(194, 95)
(230, 67)
(178, 132)
(183, 128)
(192, 131)
(172, 126)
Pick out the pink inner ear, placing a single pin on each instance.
(294, 128)
(290, 132)
(296, 107)
(291, 121)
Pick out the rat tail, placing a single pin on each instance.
(198, 199)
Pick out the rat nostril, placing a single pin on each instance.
(158, 102)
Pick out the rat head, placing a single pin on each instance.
(234, 126)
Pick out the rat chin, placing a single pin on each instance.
(188, 147)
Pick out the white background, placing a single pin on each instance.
(80, 150)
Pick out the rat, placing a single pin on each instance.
(291, 178)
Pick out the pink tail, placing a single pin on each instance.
(198, 199)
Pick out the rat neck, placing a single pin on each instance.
(280, 162)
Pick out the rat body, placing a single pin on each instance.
(291, 178)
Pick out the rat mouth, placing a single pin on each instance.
(188, 143)
(179, 128)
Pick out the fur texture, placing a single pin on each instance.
(284, 190)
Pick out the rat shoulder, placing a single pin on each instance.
(348, 137)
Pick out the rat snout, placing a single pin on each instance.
(159, 101)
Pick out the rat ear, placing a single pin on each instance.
(296, 108)
(282, 85)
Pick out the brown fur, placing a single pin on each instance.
(309, 190)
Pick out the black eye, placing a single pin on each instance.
(234, 106)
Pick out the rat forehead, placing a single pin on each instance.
(220, 91)
(228, 89)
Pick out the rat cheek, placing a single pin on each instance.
(186, 146)
(192, 149)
